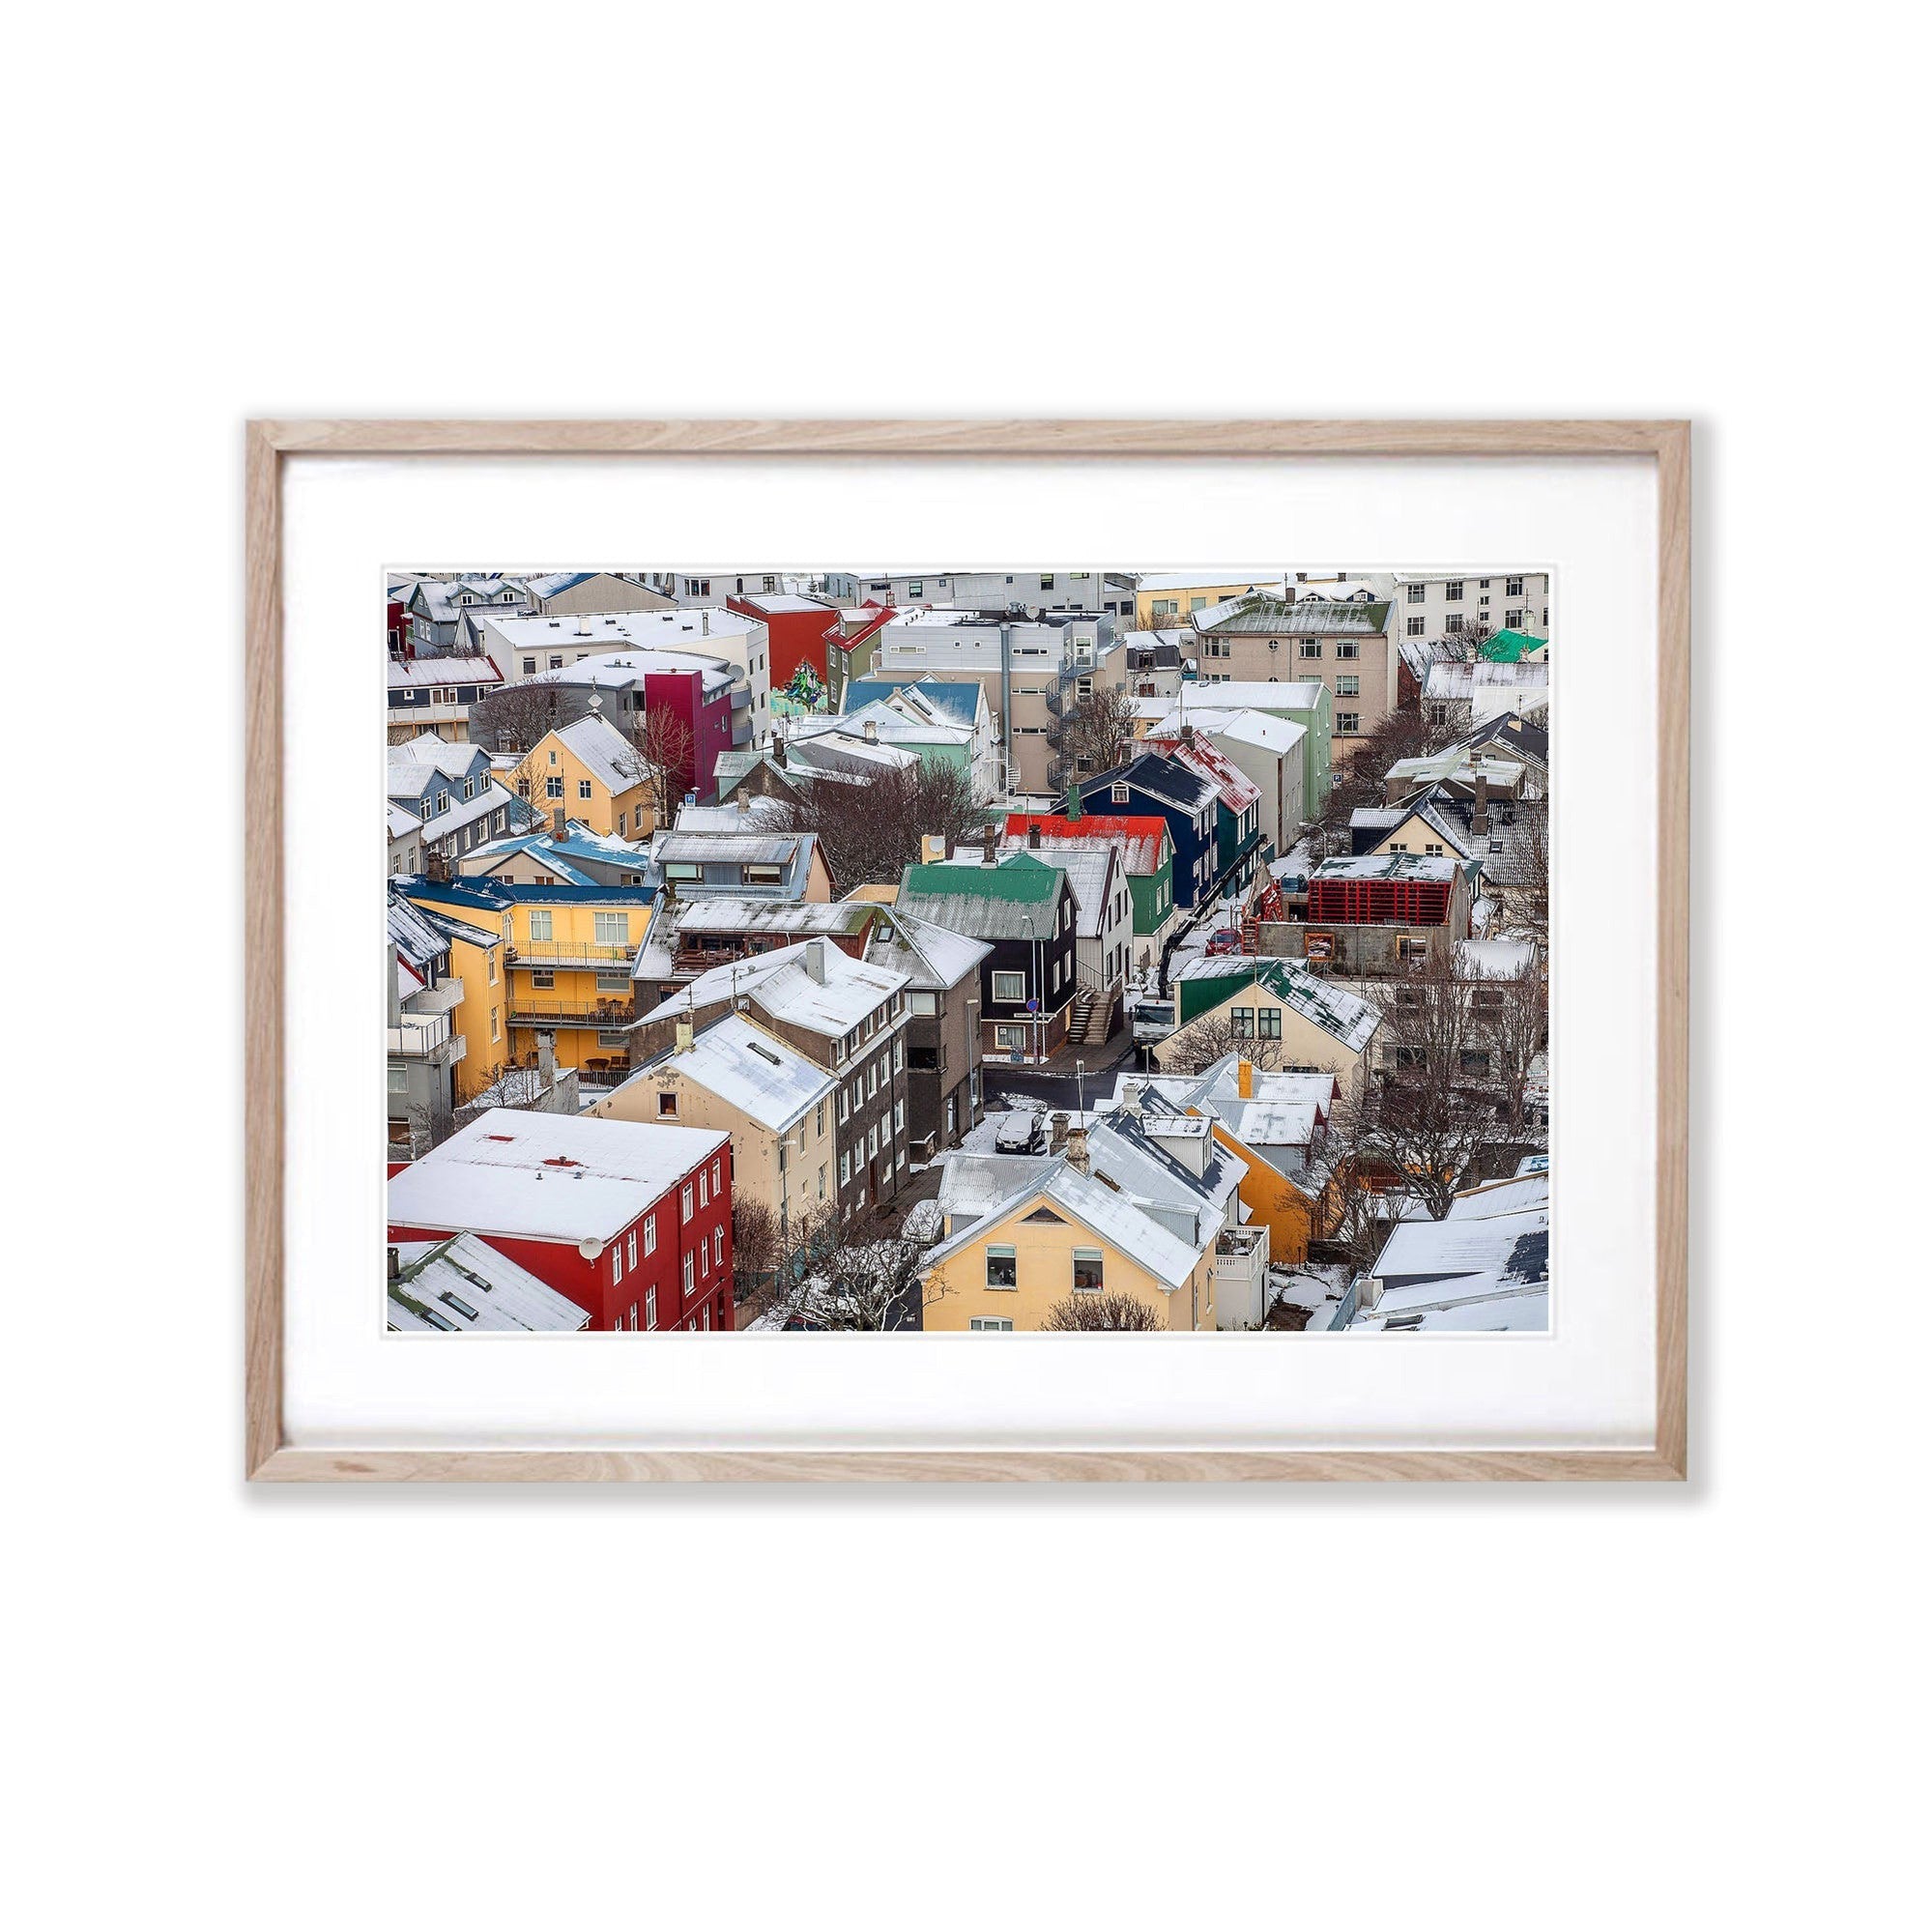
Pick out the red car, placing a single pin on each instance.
(1227, 941)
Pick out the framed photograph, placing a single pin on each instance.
(967, 951)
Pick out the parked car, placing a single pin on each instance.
(1227, 941)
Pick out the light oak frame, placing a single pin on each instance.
(270, 1459)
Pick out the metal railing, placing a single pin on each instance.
(563, 952)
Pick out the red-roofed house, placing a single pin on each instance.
(1237, 819)
(1146, 855)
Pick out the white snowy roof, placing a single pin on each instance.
(782, 985)
(470, 1287)
(411, 762)
(756, 814)
(1525, 1309)
(935, 956)
(1493, 959)
(1245, 726)
(1463, 1258)
(1249, 695)
(603, 751)
(547, 1176)
(1512, 1196)
(611, 630)
(1449, 682)
(751, 1070)
(1269, 577)
(433, 670)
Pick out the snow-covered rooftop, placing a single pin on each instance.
(465, 1285)
(751, 1070)
(813, 985)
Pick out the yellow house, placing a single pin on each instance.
(776, 1105)
(1170, 597)
(1286, 1014)
(595, 773)
(562, 965)
(1421, 831)
(1063, 1235)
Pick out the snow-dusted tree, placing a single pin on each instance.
(1196, 1047)
(1358, 779)
(871, 832)
(516, 717)
(1512, 1018)
(864, 1287)
(1111, 1308)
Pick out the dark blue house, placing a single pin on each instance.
(1151, 785)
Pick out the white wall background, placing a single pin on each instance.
(1382, 1708)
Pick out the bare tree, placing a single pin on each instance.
(870, 833)
(1511, 1015)
(1200, 1043)
(757, 1253)
(1111, 1308)
(863, 1286)
(1093, 735)
(1518, 870)
(661, 754)
(517, 718)
(1436, 1105)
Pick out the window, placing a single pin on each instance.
(1451, 593)
(583, 787)
(1476, 1062)
(899, 1056)
(1009, 1039)
(495, 1034)
(650, 1240)
(553, 788)
(666, 1106)
(1512, 619)
(1270, 1018)
(540, 924)
(703, 1189)
(557, 664)
(398, 1080)
(1088, 1271)
(1003, 1267)
(988, 1324)
(1454, 624)
(686, 1201)
(613, 1037)
(717, 1247)
(718, 1177)
(1009, 987)
(690, 1273)
(1348, 723)
(530, 667)
(915, 587)
(613, 929)
(1417, 592)
(845, 1166)
(1348, 652)
(1348, 687)
(1241, 1023)
(618, 1263)
(614, 982)
(1432, 848)
(899, 1115)
(1309, 649)
(1120, 793)
(1046, 580)
(1513, 587)
(650, 1308)
(925, 1005)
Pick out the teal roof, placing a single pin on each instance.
(1018, 878)
(1508, 647)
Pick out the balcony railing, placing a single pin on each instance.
(607, 1015)
(424, 1036)
(569, 951)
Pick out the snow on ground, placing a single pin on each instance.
(1320, 1290)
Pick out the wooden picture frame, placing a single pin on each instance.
(269, 1458)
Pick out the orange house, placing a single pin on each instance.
(1293, 1215)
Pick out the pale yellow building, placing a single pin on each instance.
(1167, 597)
(778, 1107)
(1064, 1234)
(593, 771)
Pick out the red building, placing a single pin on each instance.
(1392, 889)
(796, 629)
(702, 700)
(630, 1221)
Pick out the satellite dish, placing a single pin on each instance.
(590, 1247)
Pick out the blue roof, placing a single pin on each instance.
(961, 698)
(500, 895)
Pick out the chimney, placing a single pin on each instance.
(932, 848)
(583, 626)
(436, 862)
(1033, 836)
(1479, 820)
(871, 731)
(778, 749)
(1076, 1157)
(559, 825)
(743, 798)
(687, 1037)
(1244, 1079)
(1130, 1099)
(1073, 803)
(814, 961)
(991, 846)
(706, 622)
(395, 1264)
(1059, 1128)
(546, 1056)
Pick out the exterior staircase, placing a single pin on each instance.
(1094, 1013)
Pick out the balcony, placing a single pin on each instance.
(533, 1010)
(547, 953)
(428, 1036)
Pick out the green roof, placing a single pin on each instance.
(1019, 877)
(1509, 647)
